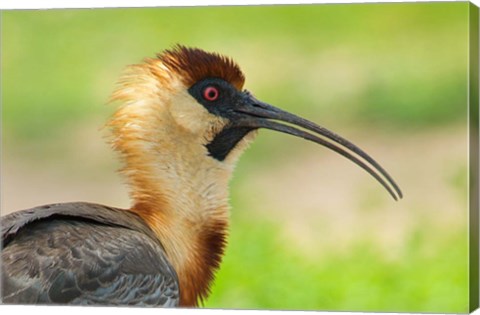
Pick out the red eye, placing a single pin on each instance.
(210, 93)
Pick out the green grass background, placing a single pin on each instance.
(397, 68)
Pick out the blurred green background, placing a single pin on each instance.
(310, 230)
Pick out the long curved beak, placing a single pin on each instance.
(257, 114)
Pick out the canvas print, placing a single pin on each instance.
(285, 157)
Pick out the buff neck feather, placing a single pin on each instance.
(181, 192)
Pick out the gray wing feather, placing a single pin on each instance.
(66, 259)
(10, 224)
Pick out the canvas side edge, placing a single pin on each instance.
(473, 97)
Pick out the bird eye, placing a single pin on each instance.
(211, 93)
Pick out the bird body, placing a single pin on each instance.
(81, 253)
(183, 122)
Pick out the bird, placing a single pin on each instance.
(182, 122)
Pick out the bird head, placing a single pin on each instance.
(202, 95)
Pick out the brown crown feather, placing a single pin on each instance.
(193, 65)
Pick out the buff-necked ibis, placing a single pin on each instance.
(183, 122)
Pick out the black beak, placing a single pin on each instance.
(256, 114)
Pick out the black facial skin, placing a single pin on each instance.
(226, 140)
(228, 97)
(245, 113)
(223, 106)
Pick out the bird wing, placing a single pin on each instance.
(57, 255)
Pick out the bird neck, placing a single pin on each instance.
(189, 214)
(181, 192)
(178, 189)
(186, 205)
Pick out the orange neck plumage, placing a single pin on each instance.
(179, 190)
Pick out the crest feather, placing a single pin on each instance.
(193, 65)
